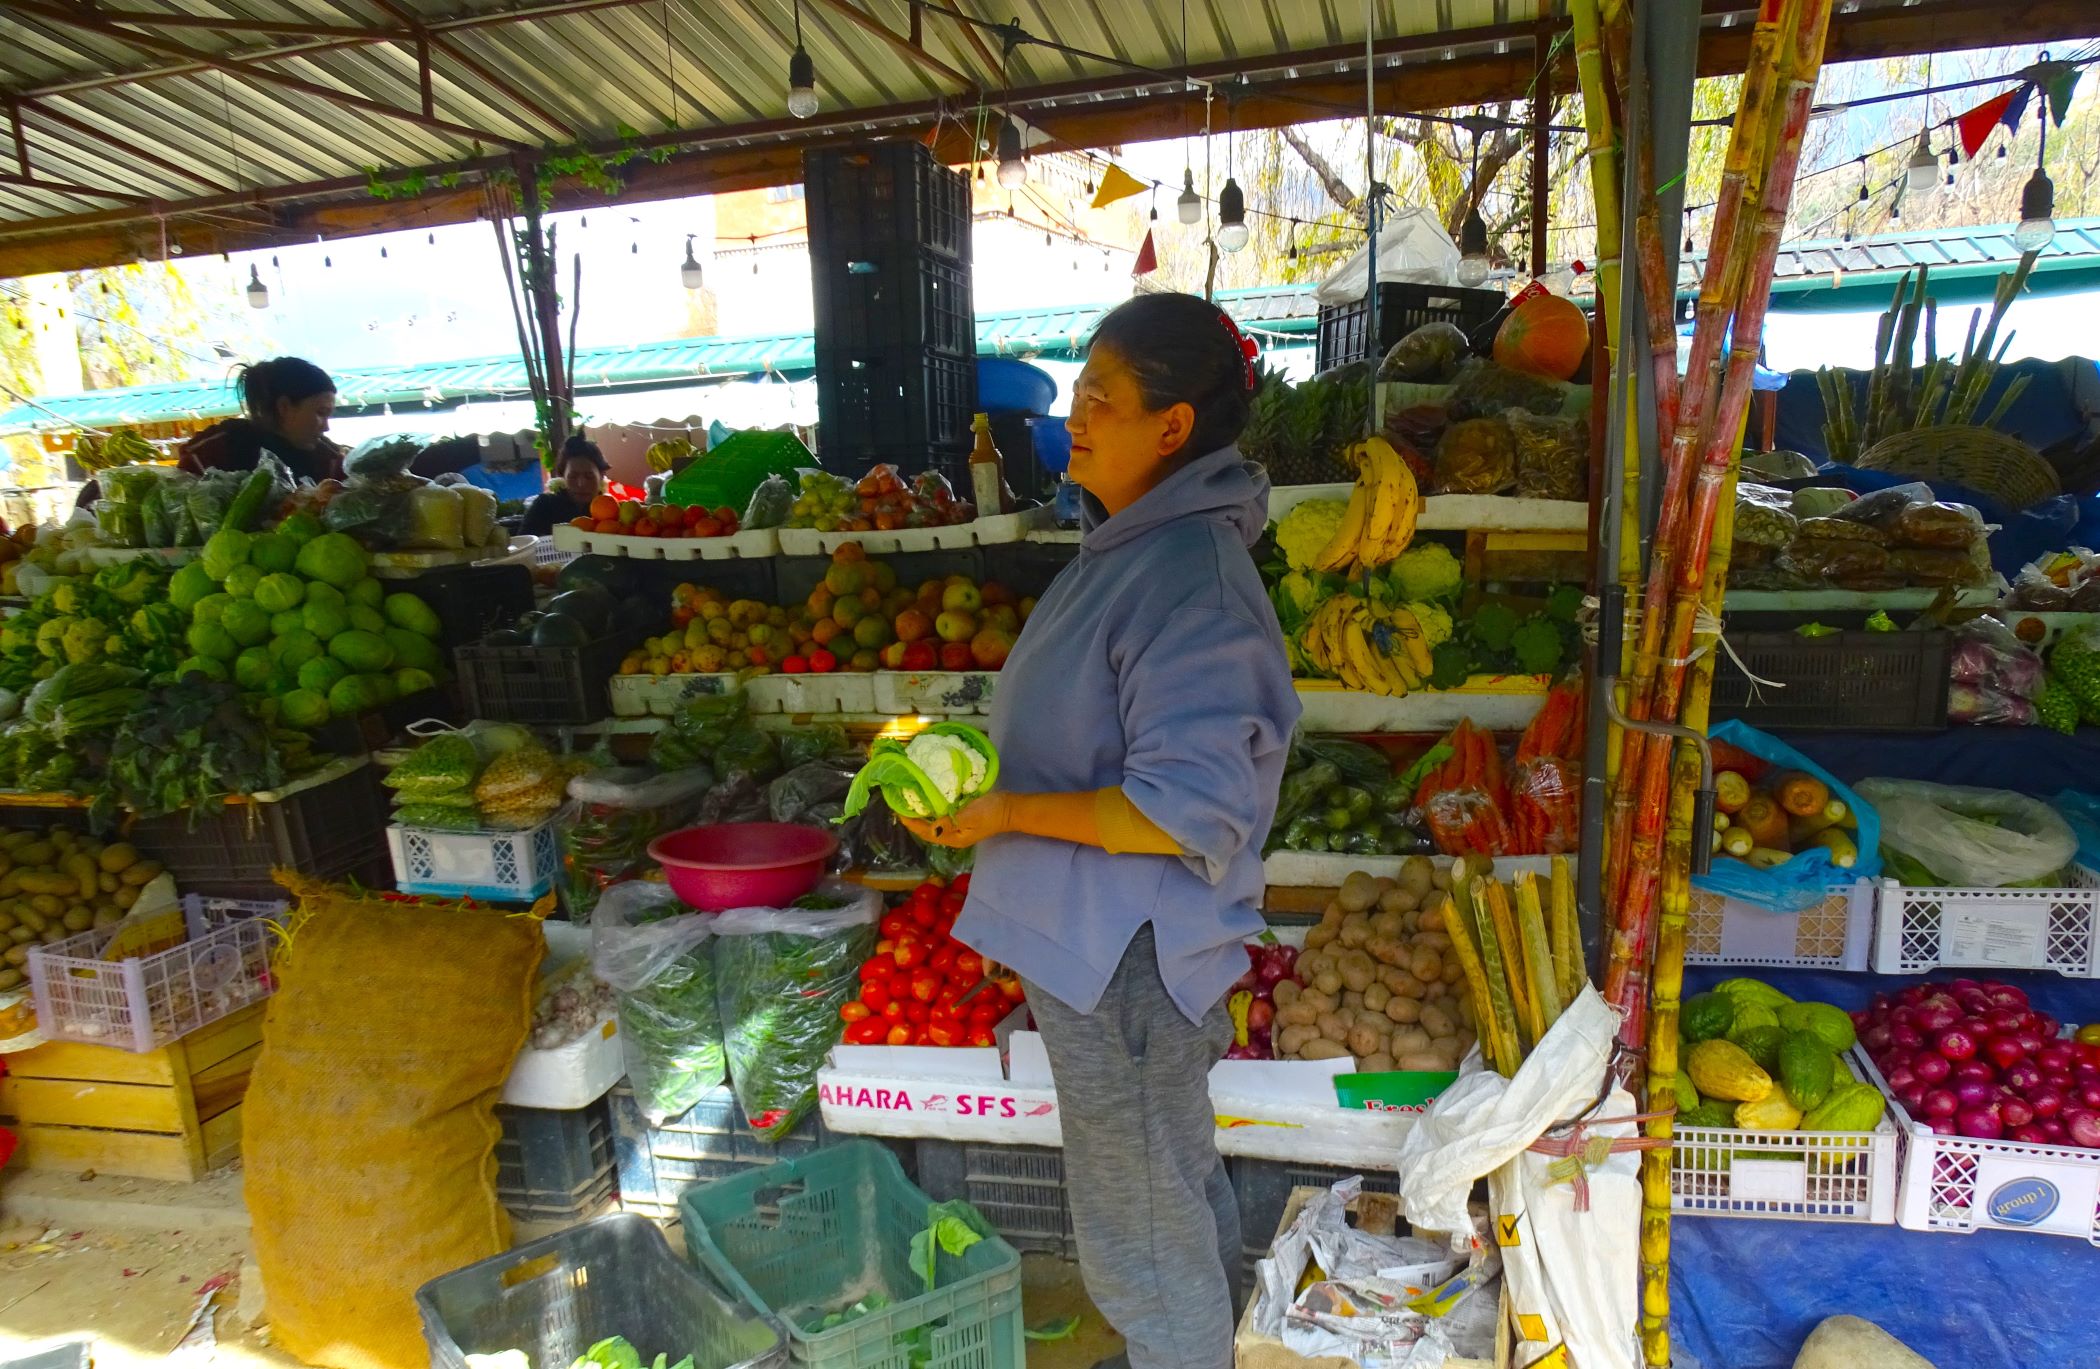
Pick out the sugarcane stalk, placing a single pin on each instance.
(1459, 927)
(2013, 388)
(1570, 972)
(1502, 1013)
(1500, 921)
(1538, 952)
(1603, 156)
(1932, 392)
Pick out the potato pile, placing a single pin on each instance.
(58, 884)
(1377, 981)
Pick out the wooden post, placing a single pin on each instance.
(1541, 147)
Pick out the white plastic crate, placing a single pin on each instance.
(1832, 935)
(501, 867)
(984, 532)
(658, 696)
(935, 693)
(1806, 1176)
(143, 1003)
(1995, 929)
(839, 691)
(752, 542)
(1959, 1183)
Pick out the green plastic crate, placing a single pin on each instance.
(805, 1237)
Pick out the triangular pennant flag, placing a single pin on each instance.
(1116, 184)
(2060, 90)
(1975, 126)
(1147, 260)
(2017, 110)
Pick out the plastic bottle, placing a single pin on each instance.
(987, 472)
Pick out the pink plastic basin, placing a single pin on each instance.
(743, 864)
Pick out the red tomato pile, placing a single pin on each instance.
(911, 989)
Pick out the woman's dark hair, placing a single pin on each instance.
(293, 379)
(1183, 350)
(577, 445)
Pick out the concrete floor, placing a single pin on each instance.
(122, 1262)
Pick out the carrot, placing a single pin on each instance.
(1731, 790)
(1764, 820)
(1800, 793)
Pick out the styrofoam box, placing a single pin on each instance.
(1804, 1176)
(645, 696)
(1917, 930)
(837, 692)
(582, 1072)
(1832, 935)
(752, 542)
(935, 693)
(992, 530)
(1962, 1184)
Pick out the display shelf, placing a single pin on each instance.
(644, 696)
(167, 556)
(2040, 629)
(1499, 703)
(1458, 512)
(401, 565)
(1917, 930)
(1853, 601)
(752, 542)
(994, 530)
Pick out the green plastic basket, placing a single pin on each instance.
(724, 476)
(806, 1237)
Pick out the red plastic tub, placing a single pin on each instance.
(743, 864)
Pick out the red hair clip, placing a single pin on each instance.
(1247, 348)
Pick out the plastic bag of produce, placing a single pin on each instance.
(1464, 801)
(782, 974)
(695, 730)
(477, 514)
(209, 497)
(1959, 836)
(381, 457)
(1427, 355)
(1553, 455)
(521, 788)
(613, 816)
(1764, 516)
(653, 950)
(446, 764)
(436, 519)
(1985, 707)
(1484, 390)
(1476, 456)
(769, 503)
(1804, 881)
(1986, 656)
(375, 511)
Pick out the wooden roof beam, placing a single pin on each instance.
(897, 43)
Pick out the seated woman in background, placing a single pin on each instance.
(580, 476)
(287, 403)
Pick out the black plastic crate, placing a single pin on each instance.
(879, 300)
(540, 686)
(1852, 681)
(1019, 1189)
(1264, 1190)
(707, 1141)
(910, 408)
(334, 830)
(471, 601)
(885, 194)
(555, 1164)
(1402, 307)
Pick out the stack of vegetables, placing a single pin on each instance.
(880, 501)
(1765, 816)
(1465, 801)
(1757, 1059)
(1252, 998)
(295, 618)
(1973, 1058)
(1520, 955)
(1342, 796)
(1377, 981)
(922, 987)
(493, 777)
(58, 883)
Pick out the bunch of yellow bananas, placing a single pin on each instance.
(1383, 506)
(661, 456)
(1377, 650)
(124, 447)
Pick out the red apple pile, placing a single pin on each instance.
(1971, 1058)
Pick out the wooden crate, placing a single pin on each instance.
(1377, 1213)
(173, 1113)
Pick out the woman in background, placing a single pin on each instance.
(580, 478)
(286, 403)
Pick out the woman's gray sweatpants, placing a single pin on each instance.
(1158, 1225)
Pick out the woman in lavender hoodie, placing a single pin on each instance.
(1141, 722)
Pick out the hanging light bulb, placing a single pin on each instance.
(802, 75)
(1013, 172)
(1688, 248)
(1923, 168)
(258, 293)
(1895, 211)
(2037, 209)
(1187, 206)
(1472, 249)
(1232, 217)
(689, 270)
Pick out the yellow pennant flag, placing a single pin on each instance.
(1116, 184)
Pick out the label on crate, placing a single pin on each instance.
(2011, 933)
(2030, 1193)
(1767, 1181)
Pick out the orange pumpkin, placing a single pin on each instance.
(1546, 335)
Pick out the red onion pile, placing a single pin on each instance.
(1268, 966)
(1971, 1058)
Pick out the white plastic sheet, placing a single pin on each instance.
(1573, 1275)
(1412, 246)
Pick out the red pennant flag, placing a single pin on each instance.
(1976, 125)
(1147, 260)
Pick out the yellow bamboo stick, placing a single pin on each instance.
(1538, 953)
(1510, 948)
(1569, 969)
(1502, 1014)
(1458, 926)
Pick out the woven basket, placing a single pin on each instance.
(1984, 459)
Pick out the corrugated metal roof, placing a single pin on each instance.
(1989, 247)
(1055, 331)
